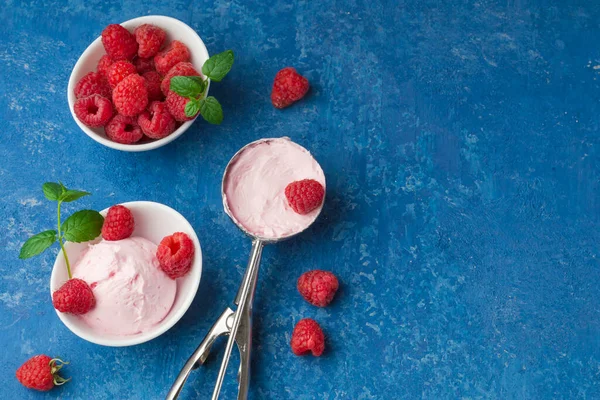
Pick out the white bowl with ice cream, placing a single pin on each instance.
(135, 300)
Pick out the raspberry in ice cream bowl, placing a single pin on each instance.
(92, 61)
(136, 300)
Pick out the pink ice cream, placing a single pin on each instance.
(255, 187)
(132, 292)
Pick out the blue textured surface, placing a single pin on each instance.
(461, 147)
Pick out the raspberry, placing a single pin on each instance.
(118, 71)
(122, 129)
(308, 336)
(74, 296)
(175, 254)
(172, 55)
(318, 287)
(119, 43)
(118, 223)
(157, 122)
(289, 86)
(92, 83)
(144, 65)
(150, 39)
(94, 110)
(153, 82)
(103, 64)
(130, 97)
(180, 69)
(176, 105)
(305, 196)
(41, 373)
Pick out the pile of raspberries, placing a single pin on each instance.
(129, 94)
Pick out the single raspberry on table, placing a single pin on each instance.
(103, 64)
(118, 71)
(175, 254)
(41, 373)
(289, 86)
(176, 105)
(94, 111)
(175, 53)
(305, 196)
(119, 43)
(130, 97)
(318, 287)
(308, 337)
(124, 130)
(118, 224)
(150, 39)
(153, 83)
(157, 122)
(75, 296)
(92, 83)
(144, 65)
(180, 69)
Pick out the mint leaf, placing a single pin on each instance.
(192, 107)
(52, 190)
(37, 244)
(211, 110)
(200, 81)
(82, 226)
(218, 65)
(185, 86)
(72, 195)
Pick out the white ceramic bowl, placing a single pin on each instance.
(153, 221)
(176, 30)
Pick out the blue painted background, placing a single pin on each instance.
(461, 146)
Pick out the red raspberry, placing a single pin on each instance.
(176, 105)
(157, 122)
(305, 196)
(289, 86)
(118, 71)
(130, 97)
(41, 373)
(318, 287)
(153, 82)
(175, 254)
(150, 39)
(180, 69)
(122, 129)
(144, 65)
(75, 297)
(103, 64)
(92, 83)
(308, 336)
(118, 224)
(172, 55)
(119, 43)
(94, 110)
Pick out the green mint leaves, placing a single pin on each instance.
(80, 227)
(37, 244)
(193, 87)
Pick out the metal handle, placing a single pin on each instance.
(246, 293)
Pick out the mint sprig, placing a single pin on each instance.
(80, 227)
(194, 87)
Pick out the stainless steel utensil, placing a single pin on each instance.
(236, 324)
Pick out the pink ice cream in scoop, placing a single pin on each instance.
(254, 187)
(132, 292)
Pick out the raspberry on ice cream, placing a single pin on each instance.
(132, 293)
(255, 183)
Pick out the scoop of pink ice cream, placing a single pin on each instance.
(132, 292)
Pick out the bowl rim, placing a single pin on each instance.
(143, 337)
(89, 50)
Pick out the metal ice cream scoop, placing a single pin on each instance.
(236, 324)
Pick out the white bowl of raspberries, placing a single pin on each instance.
(119, 91)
